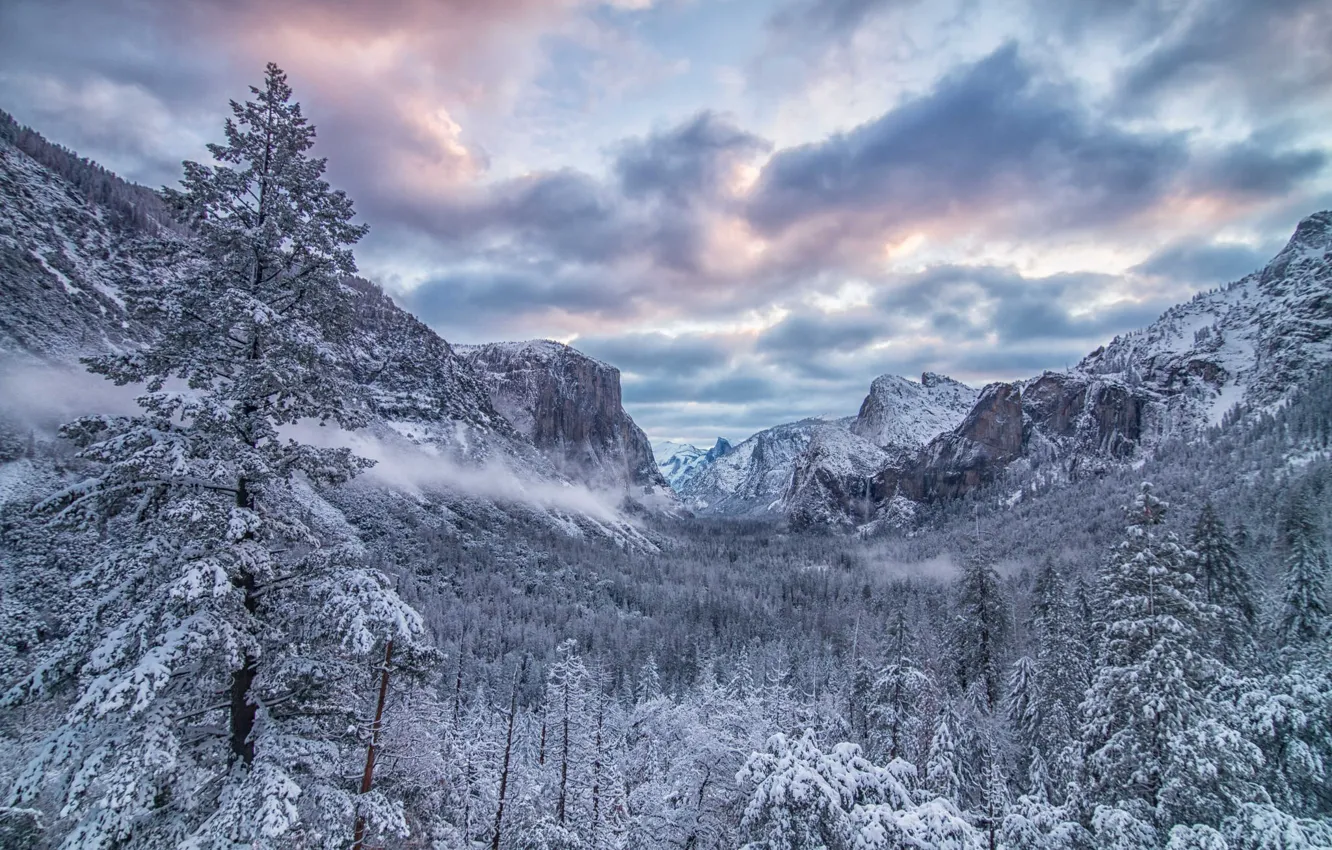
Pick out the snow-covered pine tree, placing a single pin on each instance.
(1158, 748)
(1224, 583)
(944, 768)
(895, 714)
(220, 669)
(981, 629)
(1023, 710)
(1304, 609)
(1060, 675)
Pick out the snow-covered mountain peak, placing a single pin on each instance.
(900, 413)
(679, 462)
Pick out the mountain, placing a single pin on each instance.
(568, 405)
(901, 414)
(71, 232)
(679, 462)
(752, 479)
(1250, 343)
(819, 471)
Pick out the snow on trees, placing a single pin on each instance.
(1157, 747)
(216, 665)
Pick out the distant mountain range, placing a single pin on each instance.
(538, 416)
(70, 231)
(1249, 343)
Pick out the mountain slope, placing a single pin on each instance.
(679, 462)
(902, 414)
(71, 232)
(1252, 342)
(753, 478)
(568, 405)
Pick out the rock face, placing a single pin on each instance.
(568, 405)
(70, 232)
(899, 414)
(678, 462)
(753, 478)
(987, 440)
(832, 482)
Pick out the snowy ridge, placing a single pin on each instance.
(679, 462)
(900, 413)
(435, 431)
(1252, 340)
(753, 478)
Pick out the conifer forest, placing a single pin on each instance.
(281, 567)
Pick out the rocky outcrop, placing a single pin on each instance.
(568, 405)
(903, 415)
(984, 444)
(679, 462)
(832, 481)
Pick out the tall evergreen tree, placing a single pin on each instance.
(1157, 747)
(225, 581)
(1304, 616)
(1060, 673)
(945, 766)
(981, 630)
(899, 691)
(1224, 583)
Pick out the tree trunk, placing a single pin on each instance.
(560, 809)
(504, 772)
(367, 777)
(243, 711)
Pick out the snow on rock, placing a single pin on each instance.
(902, 414)
(679, 462)
(569, 406)
(752, 479)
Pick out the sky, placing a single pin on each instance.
(750, 208)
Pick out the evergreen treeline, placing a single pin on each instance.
(212, 636)
(131, 206)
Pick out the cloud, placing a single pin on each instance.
(425, 468)
(656, 354)
(1251, 170)
(990, 139)
(1205, 263)
(1272, 49)
(1010, 185)
(45, 397)
(807, 333)
(697, 159)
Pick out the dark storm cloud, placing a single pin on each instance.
(1205, 263)
(686, 162)
(989, 134)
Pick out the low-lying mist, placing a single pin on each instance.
(40, 398)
